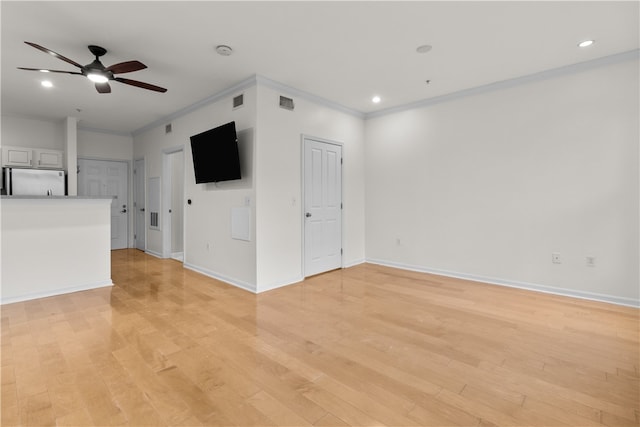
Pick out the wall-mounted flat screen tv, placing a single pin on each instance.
(215, 154)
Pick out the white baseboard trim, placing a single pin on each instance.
(178, 256)
(354, 263)
(282, 284)
(61, 291)
(612, 299)
(209, 273)
(152, 253)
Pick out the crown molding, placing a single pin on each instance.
(504, 84)
(289, 90)
(104, 131)
(238, 87)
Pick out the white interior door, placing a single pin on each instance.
(323, 206)
(139, 204)
(108, 178)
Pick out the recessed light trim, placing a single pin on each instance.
(46, 83)
(586, 43)
(376, 99)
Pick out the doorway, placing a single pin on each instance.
(173, 204)
(139, 204)
(322, 175)
(108, 178)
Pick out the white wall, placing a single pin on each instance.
(279, 183)
(32, 133)
(271, 185)
(209, 247)
(488, 186)
(104, 146)
(177, 201)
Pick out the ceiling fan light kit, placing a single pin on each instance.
(97, 72)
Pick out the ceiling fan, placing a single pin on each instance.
(98, 73)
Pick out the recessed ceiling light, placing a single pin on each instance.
(585, 43)
(376, 99)
(224, 50)
(424, 48)
(46, 83)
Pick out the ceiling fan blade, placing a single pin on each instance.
(49, 71)
(57, 55)
(126, 67)
(103, 88)
(140, 84)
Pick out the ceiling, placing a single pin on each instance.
(345, 52)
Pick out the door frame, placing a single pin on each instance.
(129, 190)
(165, 201)
(303, 138)
(136, 229)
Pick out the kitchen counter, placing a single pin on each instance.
(54, 197)
(53, 245)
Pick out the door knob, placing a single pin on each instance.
(123, 211)
(308, 214)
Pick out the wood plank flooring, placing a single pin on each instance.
(364, 346)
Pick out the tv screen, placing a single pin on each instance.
(215, 154)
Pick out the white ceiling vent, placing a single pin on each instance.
(238, 101)
(286, 103)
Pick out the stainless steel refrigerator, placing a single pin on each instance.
(34, 182)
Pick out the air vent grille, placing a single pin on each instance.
(286, 103)
(238, 101)
(153, 219)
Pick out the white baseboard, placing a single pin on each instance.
(214, 275)
(613, 299)
(61, 291)
(282, 284)
(239, 283)
(354, 263)
(153, 253)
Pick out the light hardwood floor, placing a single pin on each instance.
(367, 345)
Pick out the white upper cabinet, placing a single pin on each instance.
(21, 157)
(49, 159)
(16, 156)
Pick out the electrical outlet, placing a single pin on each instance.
(591, 261)
(555, 258)
(208, 247)
(398, 242)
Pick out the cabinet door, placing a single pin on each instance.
(16, 156)
(51, 159)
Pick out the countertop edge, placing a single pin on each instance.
(56, 198)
